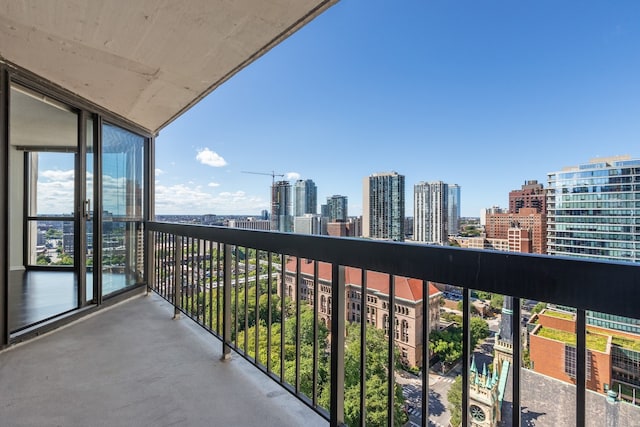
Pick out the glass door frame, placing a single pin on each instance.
(89, 114)
(80, 208)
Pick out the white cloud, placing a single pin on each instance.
(58, 175)
(185, 198)
(292, 175)
(210, 158)
(213, 184)
(159, 171)
(55, 192)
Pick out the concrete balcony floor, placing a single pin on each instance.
(132, 365)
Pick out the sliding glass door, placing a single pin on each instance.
(76, 211)
(122, 208)
(44, 193)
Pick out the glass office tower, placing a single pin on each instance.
(594, 210)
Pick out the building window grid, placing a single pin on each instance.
(570, 362)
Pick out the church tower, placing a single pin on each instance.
(503, 347)
(484, 397)
(486, 390)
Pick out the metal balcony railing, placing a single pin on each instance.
(232, 283)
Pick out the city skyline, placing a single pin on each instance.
(486, 96)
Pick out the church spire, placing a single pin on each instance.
(506, 331)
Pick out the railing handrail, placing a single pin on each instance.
(602, 286)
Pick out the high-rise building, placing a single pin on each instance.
(430, 212)
(336, 209)
(486, 211)
(250, 224)
(593, 213)
(593, 210)
(281, 218)
(306, 197)
(309, 224)
(453, 220)
(531, 195)
(383, 206)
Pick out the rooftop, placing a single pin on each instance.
(405, 288)
(595, 341)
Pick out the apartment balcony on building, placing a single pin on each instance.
(109, 317)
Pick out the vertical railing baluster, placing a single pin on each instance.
(149, 260)
(316, 350)
(257, 312)
(363, 347)
(581, 368)
(466, 354)
(210, 282)
(236, 297)
(283, 312)
(198, 284)
(391, 355)
(269, 314)
(337, 344)
(192, 288)
(164, 285)
(297, 287)
(517, 362)
(166, 277)
(246, 300)
(219, 302)
(177, 278)
(426, 329)
(226, 308)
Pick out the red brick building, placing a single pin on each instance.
(612, 356)
(407, 331)
(532, 225)
(531, 195)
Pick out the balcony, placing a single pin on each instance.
(274, 328)
(131, 359)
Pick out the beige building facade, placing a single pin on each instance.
(408, 319)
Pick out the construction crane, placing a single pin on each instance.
(272, 175)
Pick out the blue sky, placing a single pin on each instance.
(484, 94)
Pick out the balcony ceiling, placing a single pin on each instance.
(146, 61)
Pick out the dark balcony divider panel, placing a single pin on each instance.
(4, 202)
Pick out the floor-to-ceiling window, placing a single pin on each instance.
(76, 207)
(122, 183)
(42, 210)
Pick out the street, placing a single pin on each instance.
(439, 385)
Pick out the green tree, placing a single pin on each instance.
(454, 396)
(65, 259)
(539, 307)
(526, 358)
(479, 330)
(53, 233)
(376, 374)
(43, 260)
(472, 308)
(452, 317)
(481, 294)
(496, 302)
(447, 344)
